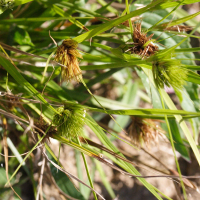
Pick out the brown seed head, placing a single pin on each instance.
(140, 40)
(178, 28)
(144, 131)
(133, 19)
(67, 54)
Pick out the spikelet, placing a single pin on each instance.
(68, 55)
(70, 120)
(144, 131)
(170, 73)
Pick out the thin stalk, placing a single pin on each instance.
(46, 67)
(87, 170)
(104, 179)
(40, 139)
(102, 106)
(25, 159)
(129, 20)
(173, 147)
(79, 170)
(165, 16)
(59, 153)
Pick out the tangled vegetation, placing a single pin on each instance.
(76, 72)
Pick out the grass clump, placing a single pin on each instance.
(122, 83)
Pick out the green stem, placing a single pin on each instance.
(59, 153)
(79, 170)
(102, 106)
(165, 17)
(87, 170)
(173, 147)
(129, 20)
(25, 158)
(46, 67)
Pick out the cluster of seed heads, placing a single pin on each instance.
(166, 71)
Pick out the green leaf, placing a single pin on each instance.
(111, 24)
(126, 166)
(146, 112)
(184, 50)
(178, 21)
(151, 90)
(168, 4)
(71, 19)
(22, 37)
(181, 13)
(188, 103)
(128, 98)
(64, 183)
(178, 141)
(23, 82)
(193, 77)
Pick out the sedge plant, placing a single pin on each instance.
(93, 85)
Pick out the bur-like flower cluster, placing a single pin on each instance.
(68, 55)
(144, 131)
(170, 73)
(70, 120)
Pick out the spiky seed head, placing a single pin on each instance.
(68, 55)
(70, 120)
(170, 73)
(144, 131)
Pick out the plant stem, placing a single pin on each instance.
(87, 170)
(129, 20)
(173, 147)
